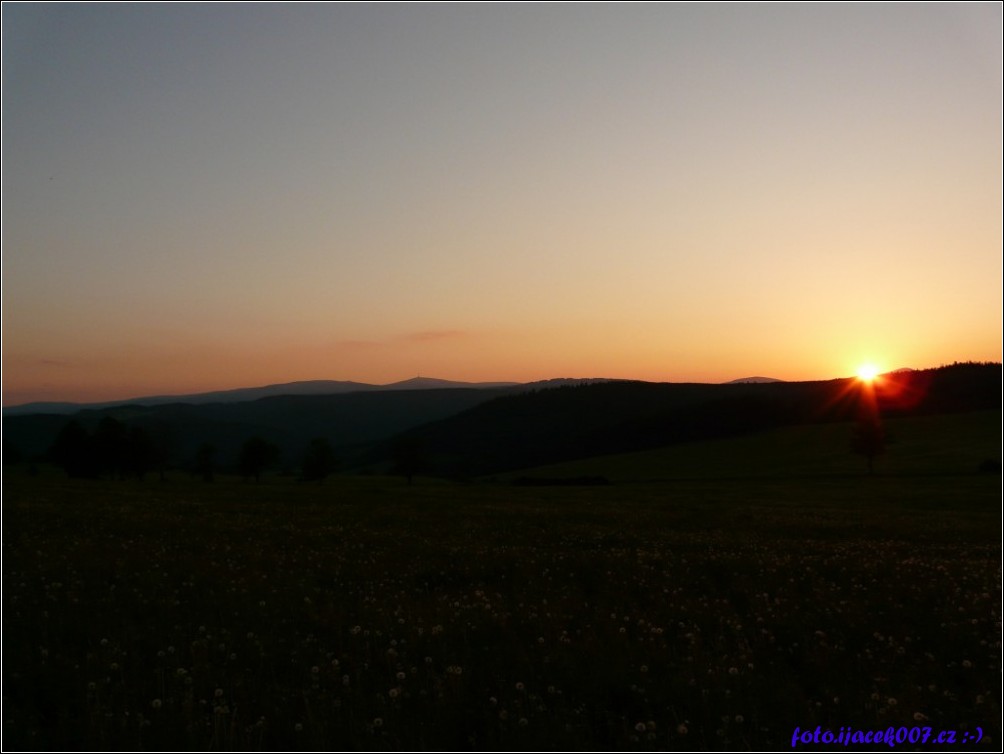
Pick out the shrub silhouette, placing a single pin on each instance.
(318, 461)
(869, 440)
(256, 455)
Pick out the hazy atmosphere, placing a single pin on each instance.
(200, 197)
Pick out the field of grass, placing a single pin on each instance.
(687, 613)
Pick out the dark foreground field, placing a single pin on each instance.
(367, 614)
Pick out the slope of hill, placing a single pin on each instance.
(471, 431)
(956, 443)
(550, 426)
(346, 420)
(238, 395)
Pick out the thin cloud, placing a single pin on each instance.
(359, 345)
(428, 336)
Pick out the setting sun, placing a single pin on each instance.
(867, 372)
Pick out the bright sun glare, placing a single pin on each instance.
(867, 372)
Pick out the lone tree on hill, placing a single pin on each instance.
(409, 457)
(205, 462)
(73, 450)
(256, 455)
(869, 440)
(318, 461)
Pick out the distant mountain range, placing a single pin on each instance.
(309, 387)
(239, 395)
(482, 428)
(751, 380)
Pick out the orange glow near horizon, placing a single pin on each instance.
(411, 198)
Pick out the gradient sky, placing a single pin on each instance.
(201, 197)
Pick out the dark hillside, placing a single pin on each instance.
(347, 421)
(550, 426)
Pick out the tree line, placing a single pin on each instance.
(118, 451)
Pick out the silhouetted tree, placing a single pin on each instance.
(111, 445)
(163, 439)
(256, 455)
(73, 450)
(868, 440)
(205, 461)
(140, 452)
(318, 461)
(409, 457)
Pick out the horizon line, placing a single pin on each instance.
(130, 399)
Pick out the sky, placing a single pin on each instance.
(200, 197)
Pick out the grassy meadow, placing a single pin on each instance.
(714, 596)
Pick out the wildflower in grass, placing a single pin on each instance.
(378, 722)
(681, 729)
(640, 727)
(156, 704)
(891, 701)
(520, 686)
(967, 664)
(401, 675)
(523, 722)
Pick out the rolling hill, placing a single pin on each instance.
(550, 426)
(240, 395)
(467, 431)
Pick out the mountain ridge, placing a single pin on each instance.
(244, 394)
